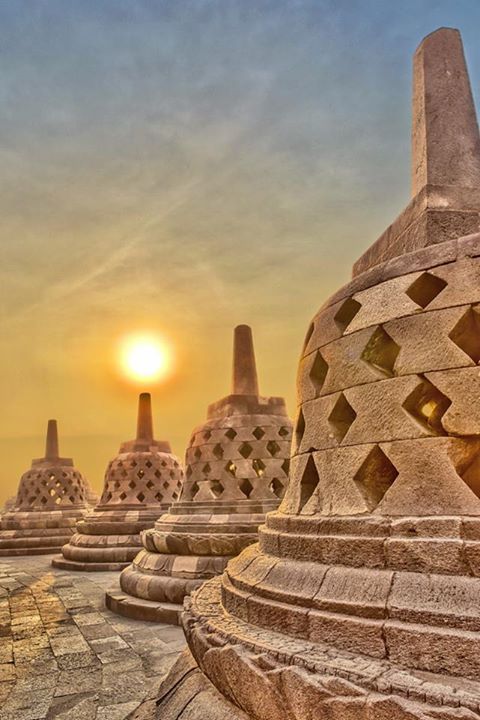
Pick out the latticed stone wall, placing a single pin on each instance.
(244, 460)
(145, 478)
(51, 488)
(386, 382)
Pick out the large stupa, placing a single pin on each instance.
(140, 483)
(51, 497)
(236, 470)
(362, 599)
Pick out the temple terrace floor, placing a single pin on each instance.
(63, 655)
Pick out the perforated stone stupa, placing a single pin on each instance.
(362, 599)
(140, 483)
(236, 470)
(51, 497)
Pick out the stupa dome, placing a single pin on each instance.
(362, 598)
(236, 470)
(140, 483)
(52, 495)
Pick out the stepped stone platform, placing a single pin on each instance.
(236, 470)
(141, 482)
(361, 600)
(51, 497)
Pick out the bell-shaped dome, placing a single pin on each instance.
(51, 497)
(236, 470)
(362, 598)
(140, 484)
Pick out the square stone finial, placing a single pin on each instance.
(445, 155)
(245, 380)
(445, 136)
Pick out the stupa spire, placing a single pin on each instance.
(51, 443)
(445, 136)
(445, 203)
(245, 380)
(144, 418)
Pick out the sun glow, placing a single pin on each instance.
(145, 358)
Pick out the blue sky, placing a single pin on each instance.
(187, 166)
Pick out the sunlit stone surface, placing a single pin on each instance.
(362, 599)
(236, 470)
(51, 497)
(63, 656)
(140, 483)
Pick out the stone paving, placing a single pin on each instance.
(63, 655)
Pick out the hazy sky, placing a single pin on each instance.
(186, 166)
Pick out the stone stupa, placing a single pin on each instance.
(140, 483)
(51, 497)
(236, 470)
(362, 599)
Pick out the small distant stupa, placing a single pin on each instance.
(140, 483)
(236, 471)
(51, 497)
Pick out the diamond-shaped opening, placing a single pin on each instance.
(116, 484)
(277, 487)
(193, 489)
(284, 432)
(425, 289)
(381, 352)
(141, 497)
(123, 496)
(428, 405)
(231, 468)
(246, 487)
(309, 482)
(216, 487)
(375, 476)
(43, 500)
(159, 496)
(318, 372)
(198, 453)
(133, 463)
(150, 484)
(245, 450)
(132, 484)
(286, 466)
(308, 335)
(466, 334)
(165, 484)
(258, 433)
(188, 471)
(207, 468)
(218, 451)
(341, 417)
(207, 434)
(148, 464)
(230, 434)
(345, 314)
(72, 499)
(299, 429)
(470, 473)
(273, 447)
(124, 473)
(259, 467)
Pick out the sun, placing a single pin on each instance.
(145, 357)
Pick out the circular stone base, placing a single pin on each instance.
(62, 564)
(147, 610)
(17, 551)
